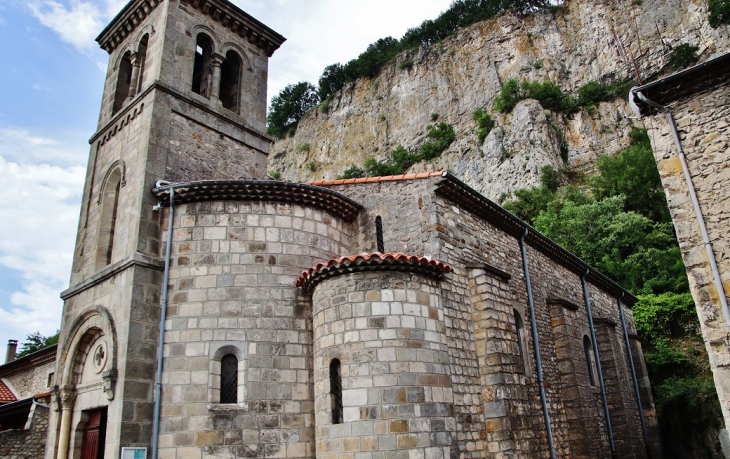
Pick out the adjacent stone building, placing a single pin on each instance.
(216, 313)
(692, 151)
(24, 402)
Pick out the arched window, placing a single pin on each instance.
(141, 59)
(336, 391)
(230, 81)
(202, 70)
(229, 379)
(108, 218)
(520, 326)
(588, 351)
(379, 234)
(124, 79)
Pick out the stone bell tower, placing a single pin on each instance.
(184, 99)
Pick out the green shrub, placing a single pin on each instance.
(507, 99)
(303, 147)
(275, 174)
(434, 117)
(719, 12)
(406, 65)
(485, 123)
(324, 107)
(352, 172)
(312, 166)
(683, 56)
(548, 94)
(443, 135)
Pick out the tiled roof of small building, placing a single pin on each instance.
(371, 262)
(6, 395)
(385, 178)
(466, 197)
(263, 190)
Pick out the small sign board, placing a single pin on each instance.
(134, 453)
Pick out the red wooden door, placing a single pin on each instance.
(92, 445)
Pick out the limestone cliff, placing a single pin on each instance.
(585, 40)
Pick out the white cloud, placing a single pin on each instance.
(40, 87)
(21, 146)
(77, 23)
(39, 209)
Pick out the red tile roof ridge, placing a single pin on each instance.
(385, 178)
(398, 257)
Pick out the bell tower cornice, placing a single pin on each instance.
(125, 23)
(239, 22)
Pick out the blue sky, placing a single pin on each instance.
(52, 79)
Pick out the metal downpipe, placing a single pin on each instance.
(598, 363)
(163, 314)
(633, 375)
(695, 203)
(533, 322)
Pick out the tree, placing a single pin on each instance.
(639, 254)
(289, 106)
(633, 173)
(35, 342)
(332, 80)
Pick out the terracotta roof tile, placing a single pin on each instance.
(370, 262)
(386, 178)
(6, 395)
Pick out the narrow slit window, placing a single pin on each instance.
(588, 351)
(336, 391)
(202, 70)
(379, 234)
(230, 81)
(229, 379)
(124, 80)
(520, 327)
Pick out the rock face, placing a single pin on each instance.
(586, 40)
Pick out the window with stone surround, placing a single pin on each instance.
(590, 360)
(230, 81)
(124, 80)
(202, 69)
(229, 379)
(108, 218)
(336, 391)
(226, 380)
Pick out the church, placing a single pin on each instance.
(214, 312)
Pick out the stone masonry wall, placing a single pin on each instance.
(232, 290)
(702, 122)
(28, 384)
(496, 399)
(387, 330)
(28, 443)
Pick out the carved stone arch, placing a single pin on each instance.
(128, 47)
(229, 46)
(85, 330)
(229, 349)
(118, 164)
(194, 30)
(148, 29)
(219, 350)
